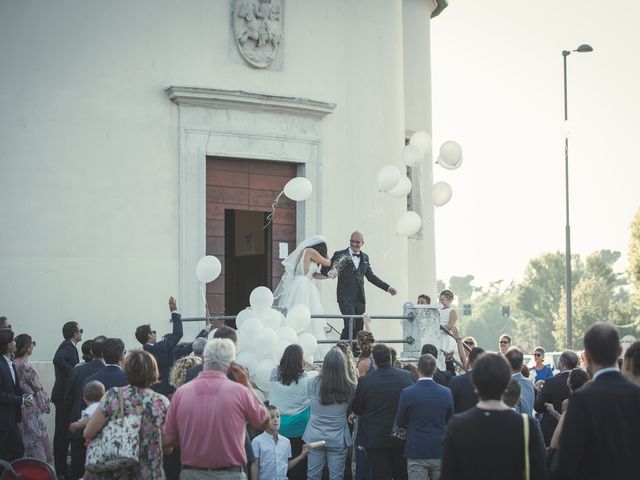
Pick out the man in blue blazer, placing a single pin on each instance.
(11, 401)
(65, 358)
(515, 357)
(461, 386)
(111, 375)
(424, 410)
(600, 433)
(162, 350)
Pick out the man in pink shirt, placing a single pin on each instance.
(207, 417)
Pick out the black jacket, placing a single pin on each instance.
(350, 288)
(554, 391)
(73, 400)
(10, 397)
(65, 358)
(376, 402)
(163, 353)
(463, 391)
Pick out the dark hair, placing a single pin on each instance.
(381, 355)
(632, 357)
(515, 358)
(335, 386)
(98, 346)
(271, 408)
(540, 350)
(23, 342)
(411, 368)
(93, 391)
(447, 294)
(474, 354)
(142, 333)
(427, 365)
(394, 357)
(141, 369)
(430, 349)
(3, 321)
(6, 337)
(426, 297)
(470, 341)
(525, 371)
(570, 359)
(113, 350)
(69, 329)
(291, 364)
(365, 341)
(603, 344)
(321, 248)
(577, 378)
(512, 393)
(86, 348)
(504, 335)
(226, 332)
(490, 375)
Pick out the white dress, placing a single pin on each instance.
(299, 289)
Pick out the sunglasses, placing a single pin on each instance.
(537, 354)
(504, 342)
(80, 330)
(33, 343)
(153, 331)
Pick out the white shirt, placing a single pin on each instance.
(87, 412)
(426, 378)
(355, 260)
(13, 372)
(274, 457)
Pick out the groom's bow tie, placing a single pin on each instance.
(355, 255)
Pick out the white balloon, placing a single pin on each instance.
(208, 269)
(408, 224)
(263, 373)
(287, 334)
(243, 315)
(298, 189)
(450, 155)
(402, 189)
(266, 341)
(441, 193)
(250, 327)
(422, 140)
(299, 317)
(412, 155)
(308, 343)
(270, 318)
(249, 361)
(278, 350)
(261, 298)
(388, 177)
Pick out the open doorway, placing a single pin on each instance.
(247, 256)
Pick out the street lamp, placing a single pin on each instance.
(584, 48)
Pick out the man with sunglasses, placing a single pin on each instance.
(504, 343)
(65, 358)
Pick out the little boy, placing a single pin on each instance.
(273, 451)
(92, 393)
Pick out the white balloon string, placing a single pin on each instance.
(273, 210)
(203, 289)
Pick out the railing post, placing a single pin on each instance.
(424, 328)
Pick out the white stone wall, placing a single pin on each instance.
(89, 149)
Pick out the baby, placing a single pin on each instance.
(93, 392)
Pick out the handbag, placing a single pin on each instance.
(399, 432)
(525, 423)
(117, 446)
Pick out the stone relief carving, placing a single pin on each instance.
(258, 27)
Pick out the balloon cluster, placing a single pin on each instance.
(264, 333)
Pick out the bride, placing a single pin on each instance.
(296, 286)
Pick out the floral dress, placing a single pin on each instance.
(154, 410)
(33, 427)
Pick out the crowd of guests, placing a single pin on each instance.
(366, 417)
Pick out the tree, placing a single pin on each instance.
(462, 288)
(634, 255)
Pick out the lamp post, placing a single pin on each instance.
(584, 48)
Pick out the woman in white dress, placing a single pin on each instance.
(296, 286)
(448, 318)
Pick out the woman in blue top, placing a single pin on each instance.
(542, 371)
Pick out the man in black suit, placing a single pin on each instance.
(462, 389)
(65, 358)
(11, 400)
(111, 375)
(376, 402)
(74, 403)
(162, 350)
(198, 349)
(600, 433)
(352, 266)
(555, 390)
(440, 377)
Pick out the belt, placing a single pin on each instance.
(217, 469)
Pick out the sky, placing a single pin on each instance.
(497, 89)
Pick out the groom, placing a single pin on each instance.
(351, 266)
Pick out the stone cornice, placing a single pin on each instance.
(248, 101)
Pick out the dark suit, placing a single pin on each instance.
(443, 377)
(193, 372)
(163, 353)
(554, 391)
(65, 358)
(464, 393)
(11, 446)
(424, 408)
(376, 402)
(350, 290)
(600, 433)
(74, 404)
(110, 376)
